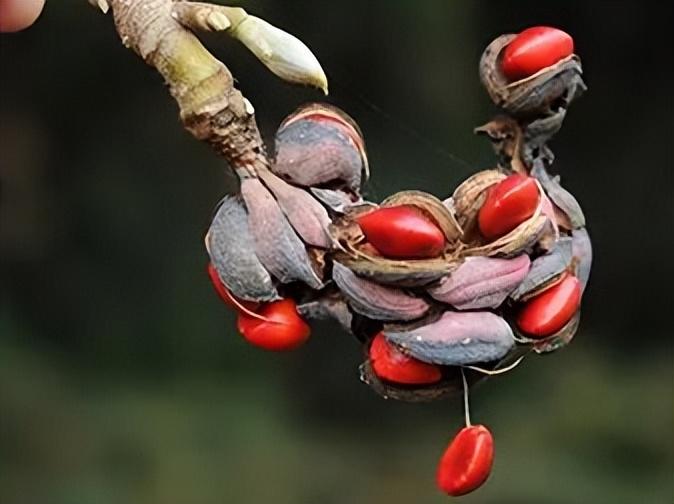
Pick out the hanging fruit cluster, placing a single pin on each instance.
(436, 290)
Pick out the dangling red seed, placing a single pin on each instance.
(402, 232)
(467, 462)
(508, 204)
(535, 49)
(224, 293)
(548, 312)
(283, 330)
(391, 365)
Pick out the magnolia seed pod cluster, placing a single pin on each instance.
(440, 292)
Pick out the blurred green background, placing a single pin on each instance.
(122, 379)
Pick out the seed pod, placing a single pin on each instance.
(449, 386)
(508, 204)
(402, 232)
(306, 215)
(276, 244)
(582, 255)
(409, 273)
(320, 144)
(469, 197)
(336, 200)
(328, 306)
(545, 271)
(232, 251)
(534, 49)
(559, 339)
(392, 365)
(481, 282)
(467, 461)
(456, 339)
(519, 240)
(283, 330)
(559, 196)
(552, 87)
(377, 301)
(550, 311)
(224, 293)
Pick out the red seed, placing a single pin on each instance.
(508, 204)
(391, 365)
(548, 312)
(467, 462)
(402, 232)
(535, 49)
(224, 293)
(283, 330)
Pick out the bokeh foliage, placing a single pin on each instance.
(121, 376)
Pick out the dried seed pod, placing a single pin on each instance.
(545, 271)
(449, 386)
(431, 206)
(320, 144)
(336, 200)
(232, 250)
(582, 255)
(377, 301)
(329, 306)
(551, 310)
(542, 93)
(519, 240)
(559, 339)
(278, 247)
(564, 200)
(225, 295)
(456, 338)
(407, 273)
(306, 215)
(469, 197)
(481, 282)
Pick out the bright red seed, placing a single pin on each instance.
(391, 365)
(548, 312)
(224, 293)
(535, 49)
(467, 462)
(508, 204)
(402, 232)
(282, 330)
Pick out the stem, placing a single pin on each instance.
(210, 107)
(466, 405)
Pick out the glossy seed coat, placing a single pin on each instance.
(533, 50)
(391, 365)
(508, 204)
(283, 330)
(548, 312)
(402, 232)
(467, 462)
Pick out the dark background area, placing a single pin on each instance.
(122, 378)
